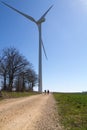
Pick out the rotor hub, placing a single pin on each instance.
(41, 21)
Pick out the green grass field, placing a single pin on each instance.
(16, 94)
(72, 109)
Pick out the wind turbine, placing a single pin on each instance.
(38, 23)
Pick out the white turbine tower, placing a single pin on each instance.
(38, 23)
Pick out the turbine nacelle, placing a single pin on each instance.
(41, 20)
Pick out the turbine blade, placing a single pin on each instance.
(44, 49)
(25, 15)
(46, 13)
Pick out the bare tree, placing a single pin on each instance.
(12, 65)
(3, 70)
(20, 82)
(31, 78)
(15, 69)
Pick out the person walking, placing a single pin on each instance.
(47, 91)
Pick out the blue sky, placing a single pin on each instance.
(64, 35)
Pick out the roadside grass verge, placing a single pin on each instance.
(6, 95)
(72, 110)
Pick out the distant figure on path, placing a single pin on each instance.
(47, 91)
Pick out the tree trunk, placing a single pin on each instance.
(10, 83)
(4, 87)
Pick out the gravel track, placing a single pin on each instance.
(29, 113)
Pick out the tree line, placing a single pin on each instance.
(16, 72)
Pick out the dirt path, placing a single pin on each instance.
(30, 113)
